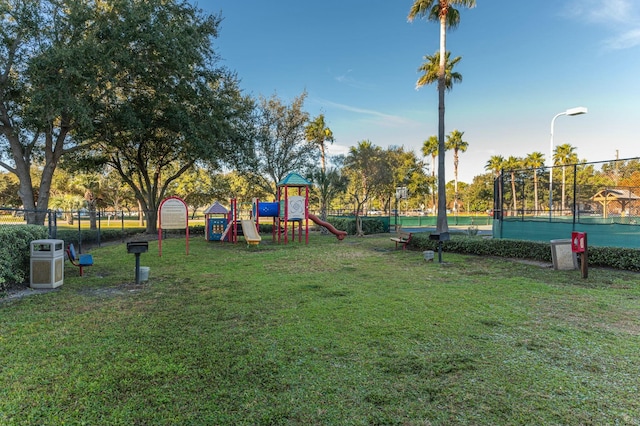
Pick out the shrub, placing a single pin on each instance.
(15, 242)
(91, 236)
(348, 224)
(265, 228)
(613, 257)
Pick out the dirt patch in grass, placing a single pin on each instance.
(19, 292)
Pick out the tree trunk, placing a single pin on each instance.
(535, 191)
(359, 231)
(441, 222)
(455, 181)
(513, 191)
(141, 214)
(563, 189)
(152, 219)
(53, 150)
(323, 215)
(92, 208)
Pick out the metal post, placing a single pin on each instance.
(551, 165)
(137, 268)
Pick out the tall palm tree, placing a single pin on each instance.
(534, 161)
(563, 155)
(495, 164)
(441, 11)
(457, 145)
(430, 69)
(430, 147)
(318, 133)
(512, 164)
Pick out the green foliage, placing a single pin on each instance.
(89, 236)
(9, 187)
(348, 224)
(196, 230)
(613, 257)
(280, 143)
(265, 228)
(15, 243)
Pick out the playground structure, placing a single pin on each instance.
(216, 219)
(290, 211)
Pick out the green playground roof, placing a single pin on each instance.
(294, 179)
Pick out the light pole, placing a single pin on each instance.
(569, 112)
(401, 193)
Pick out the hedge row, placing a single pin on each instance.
(612, 257)
(15, 243)
(369, 226)
(91, 236)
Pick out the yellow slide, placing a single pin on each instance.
(250, 233)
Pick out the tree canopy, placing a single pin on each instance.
(48, 85)
(280, 143)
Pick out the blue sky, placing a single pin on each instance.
(522, 63)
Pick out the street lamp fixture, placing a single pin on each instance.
(569, 112)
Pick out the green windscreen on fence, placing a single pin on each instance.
(603, 235)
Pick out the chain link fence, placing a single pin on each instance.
(80, 227)
(600, 198)
(11, 216)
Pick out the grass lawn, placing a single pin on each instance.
(342, 333)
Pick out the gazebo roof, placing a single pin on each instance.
(216, 208)
(294, 179)
(611, 194)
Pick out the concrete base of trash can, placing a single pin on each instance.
(428, 255)
(563, 258)
(144, 273)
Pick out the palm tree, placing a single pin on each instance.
(495, 164)
(512, 164)
(430, 147)
(534, 161)
(563, 155)
(318, 133)
(455, 143)
(441, 11)
(430, 69)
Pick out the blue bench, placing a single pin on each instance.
(80, 262)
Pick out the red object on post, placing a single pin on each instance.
(578, 242)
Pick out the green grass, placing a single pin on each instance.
(343, 333)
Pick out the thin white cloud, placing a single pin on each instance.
(344, 78)
(380, 117)
(625, 40)
(621, 16)
(601, 11)
(347, 79)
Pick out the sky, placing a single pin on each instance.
(522, 63)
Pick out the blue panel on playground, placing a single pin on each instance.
(216, 228)
(268, 209)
